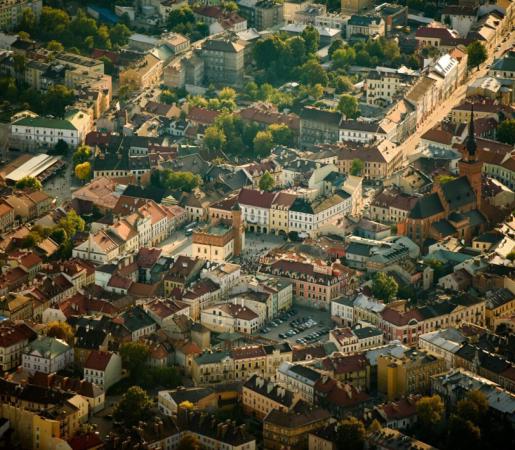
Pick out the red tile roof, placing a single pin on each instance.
(11, 334)
(254, 197)
(85, 441)
(202, 116)
(254, 351)
(98, 360)
(147, 257)
(399, 318)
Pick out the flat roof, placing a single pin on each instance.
(33, 167)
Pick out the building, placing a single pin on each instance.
(260, 396)
(454, 385)
(390, 439)
(230, 318)
(219, 19)
(382, 87)
(308, 217)
(300, 379)
(367, 26)
(42, 417)
(318, 126)
(357, 339)
(223, 61)
(255, 206)
(355, 6)
(103, 368)
(408, 374)
(201, 398)
(289, 430)
(31, 132)
(312, 283)
(212, 433)
(14, 337)
(453, 208)
(11, 12)
(380, 159)
(47, 355)
(239, 363)
(143, 74)
(219, 241)
(262, 14)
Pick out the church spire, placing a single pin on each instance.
(471, 139)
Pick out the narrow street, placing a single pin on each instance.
(409, 145)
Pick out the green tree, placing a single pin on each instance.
(184, 181)
(263, 143)
(348, 106)
(55, 46)
(357, 167)
(442, 179)
(72, 223)
(297, 50)
(281, 134)
(119, 35)
(311, 38)
(60, 330)
(477, 54)
(28, 21)
(267, 182)
(189, 442)
(214, 139)
(30, 183)
(430, 412)
(343, 57)
(506, 131)
(168, 97)
(57, 98)
(134, 356)
(312, 73)
(134, 406)
(342, 84)
(61, 148)
(82, 154)
(473, 407)
(58, 235)
(180, 16)
(335, 45)
(384, 287)
(462, 434)
(351, 434)
(251, 90)
(83, 171)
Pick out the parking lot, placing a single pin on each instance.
(321, 324)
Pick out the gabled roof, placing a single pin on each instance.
(427, 206)
(98, 360)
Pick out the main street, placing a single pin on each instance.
(409, 145)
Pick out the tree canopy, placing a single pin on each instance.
(384, 287)
(267, 182)
(172, 180)
(83, 171)
(29, 183)
(82, 154)
(477, 54)
(506, 131)
(60, 330)
(348, 106)
(134, 406)
(134, 356)
(357, 167)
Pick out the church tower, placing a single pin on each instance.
(469, 166)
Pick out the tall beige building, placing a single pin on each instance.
(355, 6)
